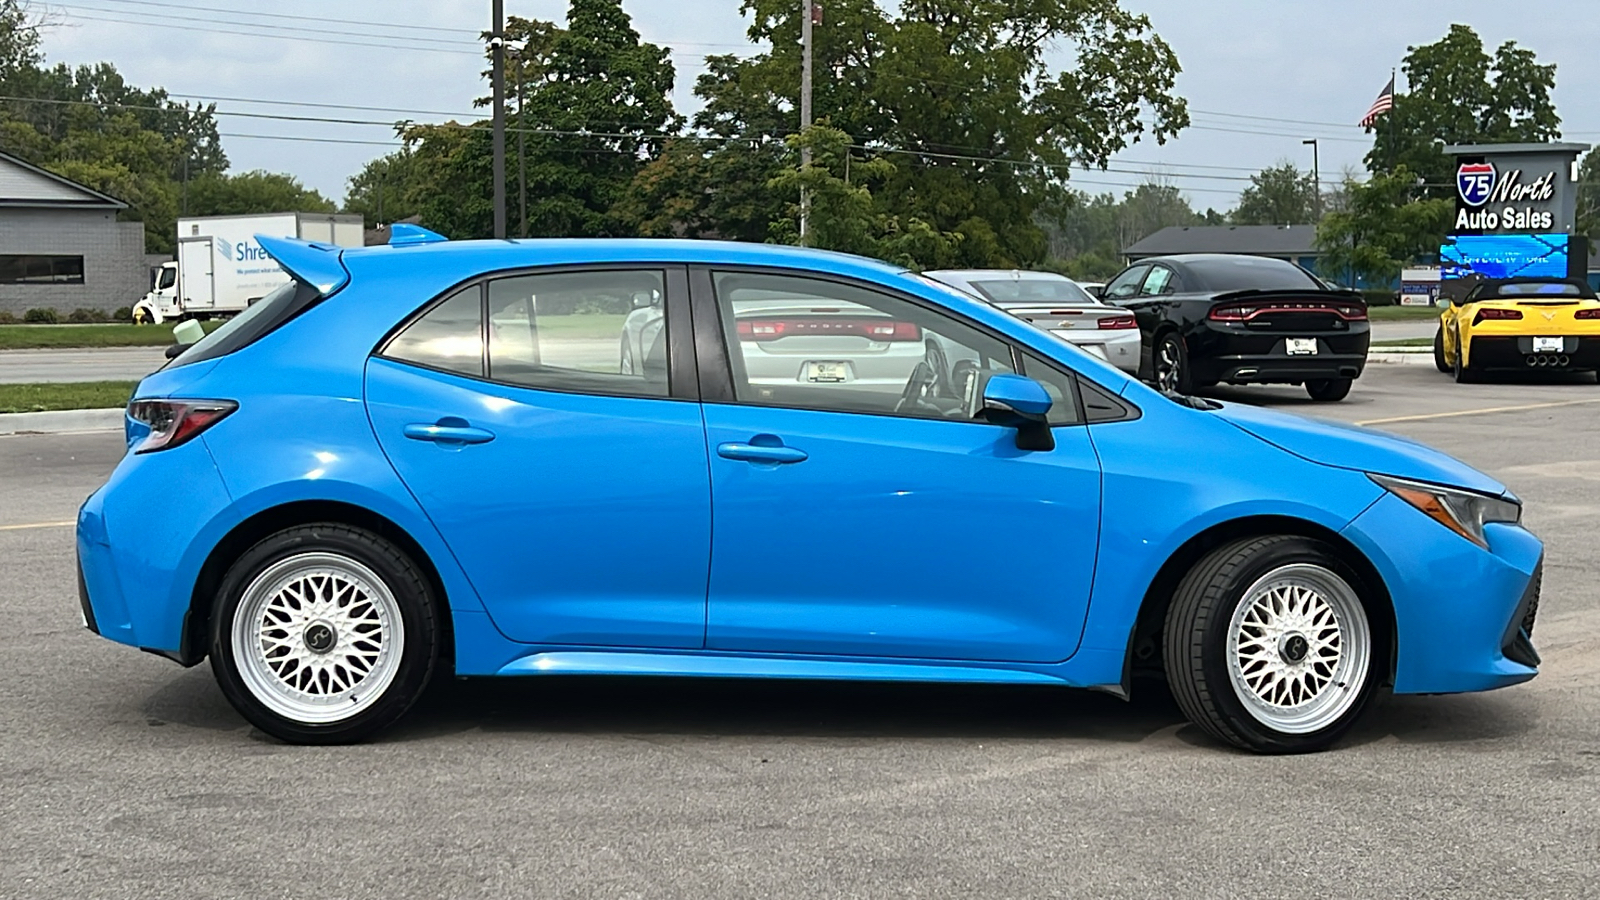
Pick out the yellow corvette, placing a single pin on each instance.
(1520, 323)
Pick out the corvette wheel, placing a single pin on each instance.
(1172, 366)
(1269, 645)
(1463, 374)
(323, 634)
(1439, 362)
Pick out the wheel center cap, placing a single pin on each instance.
(320, 637)
(1294, 647)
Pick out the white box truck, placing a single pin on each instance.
(221, 269)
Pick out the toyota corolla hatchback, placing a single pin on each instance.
(431, 458)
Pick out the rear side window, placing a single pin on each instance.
(448, 337)
(1246, 273)
(262, 318)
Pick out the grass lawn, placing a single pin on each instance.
(1402, 313)
(1407, 342)
(39, 337)
(16, 398)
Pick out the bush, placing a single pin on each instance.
(83, 316)
(7, 318)
(123, 314)
(1378, 296)
(40, 316)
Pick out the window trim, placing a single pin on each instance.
(683, 382)
(717, 363)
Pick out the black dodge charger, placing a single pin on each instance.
(1207, 318)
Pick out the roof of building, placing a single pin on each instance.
(1480, 149)
(23, 184)
(1262, 240)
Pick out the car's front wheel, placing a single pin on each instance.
(1269, 645)
(323, 634)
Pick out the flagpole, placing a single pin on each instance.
(1394, 88)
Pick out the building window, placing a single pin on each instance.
(16, 269)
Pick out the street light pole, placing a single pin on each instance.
(497, 50)
(805, 113)
(1316, 180)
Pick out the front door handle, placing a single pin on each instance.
(448, 431)
(757, 453)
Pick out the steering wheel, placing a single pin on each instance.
(922, 384)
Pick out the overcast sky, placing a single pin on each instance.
(1301, 69)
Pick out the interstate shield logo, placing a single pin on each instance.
(1475, 182)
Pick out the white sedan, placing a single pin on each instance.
(1058, 305)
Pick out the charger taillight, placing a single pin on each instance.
(175, 422)
(771, 329)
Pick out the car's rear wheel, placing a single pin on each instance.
(1463, 374)
(1171, 365)
(1329, 388)
(323, 634)
(1269, 645)
(1439, 362)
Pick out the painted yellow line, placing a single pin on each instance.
(36, 525)
(1477, 412)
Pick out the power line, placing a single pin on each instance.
(276, 15)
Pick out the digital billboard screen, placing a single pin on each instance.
(1505, 255)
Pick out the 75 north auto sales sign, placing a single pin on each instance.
(1504, 197)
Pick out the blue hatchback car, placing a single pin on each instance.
(717, 459)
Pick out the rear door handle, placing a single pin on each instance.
(754, 453)
(448, 431)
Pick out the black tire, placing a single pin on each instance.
(1439, 362)
(1195, 643)
(1169, 364)
(412, 599)
(1463, 374)
(1329, 389)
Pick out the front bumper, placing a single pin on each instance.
(1463, 615)
(1516, 352)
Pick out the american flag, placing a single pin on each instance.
(1383, 104)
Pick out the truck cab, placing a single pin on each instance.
(161, 303)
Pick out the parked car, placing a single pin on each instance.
(1058, 305)
(425, 460)
(1550, 324)
(1207, 318)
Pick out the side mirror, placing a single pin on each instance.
(1016, 401)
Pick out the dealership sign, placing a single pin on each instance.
(1509, 201)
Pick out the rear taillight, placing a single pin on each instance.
(1487, 315)
(1229, 313)
(1350, 312)
(1117, 322)
(871, 329)
(174, 422)
(1587, 314)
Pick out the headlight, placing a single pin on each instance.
(1463, 512)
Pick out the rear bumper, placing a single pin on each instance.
(1516, 352)
(1281, 368)
(1118, 347)
(1238, 354)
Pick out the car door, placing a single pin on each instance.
(874, 516)
(575, 496)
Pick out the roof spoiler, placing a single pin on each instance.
(318, 265)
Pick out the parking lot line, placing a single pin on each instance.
(1475, 412)
(36, 525)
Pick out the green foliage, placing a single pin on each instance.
(1588, 217)
(40, 316)
(1387, 226)
(382, 192)
(1087, 234)
(1278, 195)
(1458, 94)
(254, 192)
(15, 398)
(81, 316)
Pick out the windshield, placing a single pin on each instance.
(1246, 273)
(259, 320)
(169, 274)
(1052, 291)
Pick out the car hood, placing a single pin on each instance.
(1361, 449)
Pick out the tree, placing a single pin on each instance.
(1278, 195)
(382, 192)
(1588, 216)
(1458, 94)
(956, 94)
(1388, 226)
(253, 192)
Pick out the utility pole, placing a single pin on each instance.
(806, 20)
(497, 50)
(522, 149)
(1316, 180)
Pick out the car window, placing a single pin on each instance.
(1059, 384)
(1157, 282)
(590, 332)
(259, 319)
(1126, 285)
(1243, 273)
(809, 343)
(449, 336)
(1021, 291)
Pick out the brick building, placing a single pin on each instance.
(61, 245)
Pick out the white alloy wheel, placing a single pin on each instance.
(1299, 647)
(318, 638)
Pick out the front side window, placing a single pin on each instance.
(589, 332)
(808, 343)
(1126, 285)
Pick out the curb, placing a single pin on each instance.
(67, 421)
(1401, 359)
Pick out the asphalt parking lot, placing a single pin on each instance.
(125, 776)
